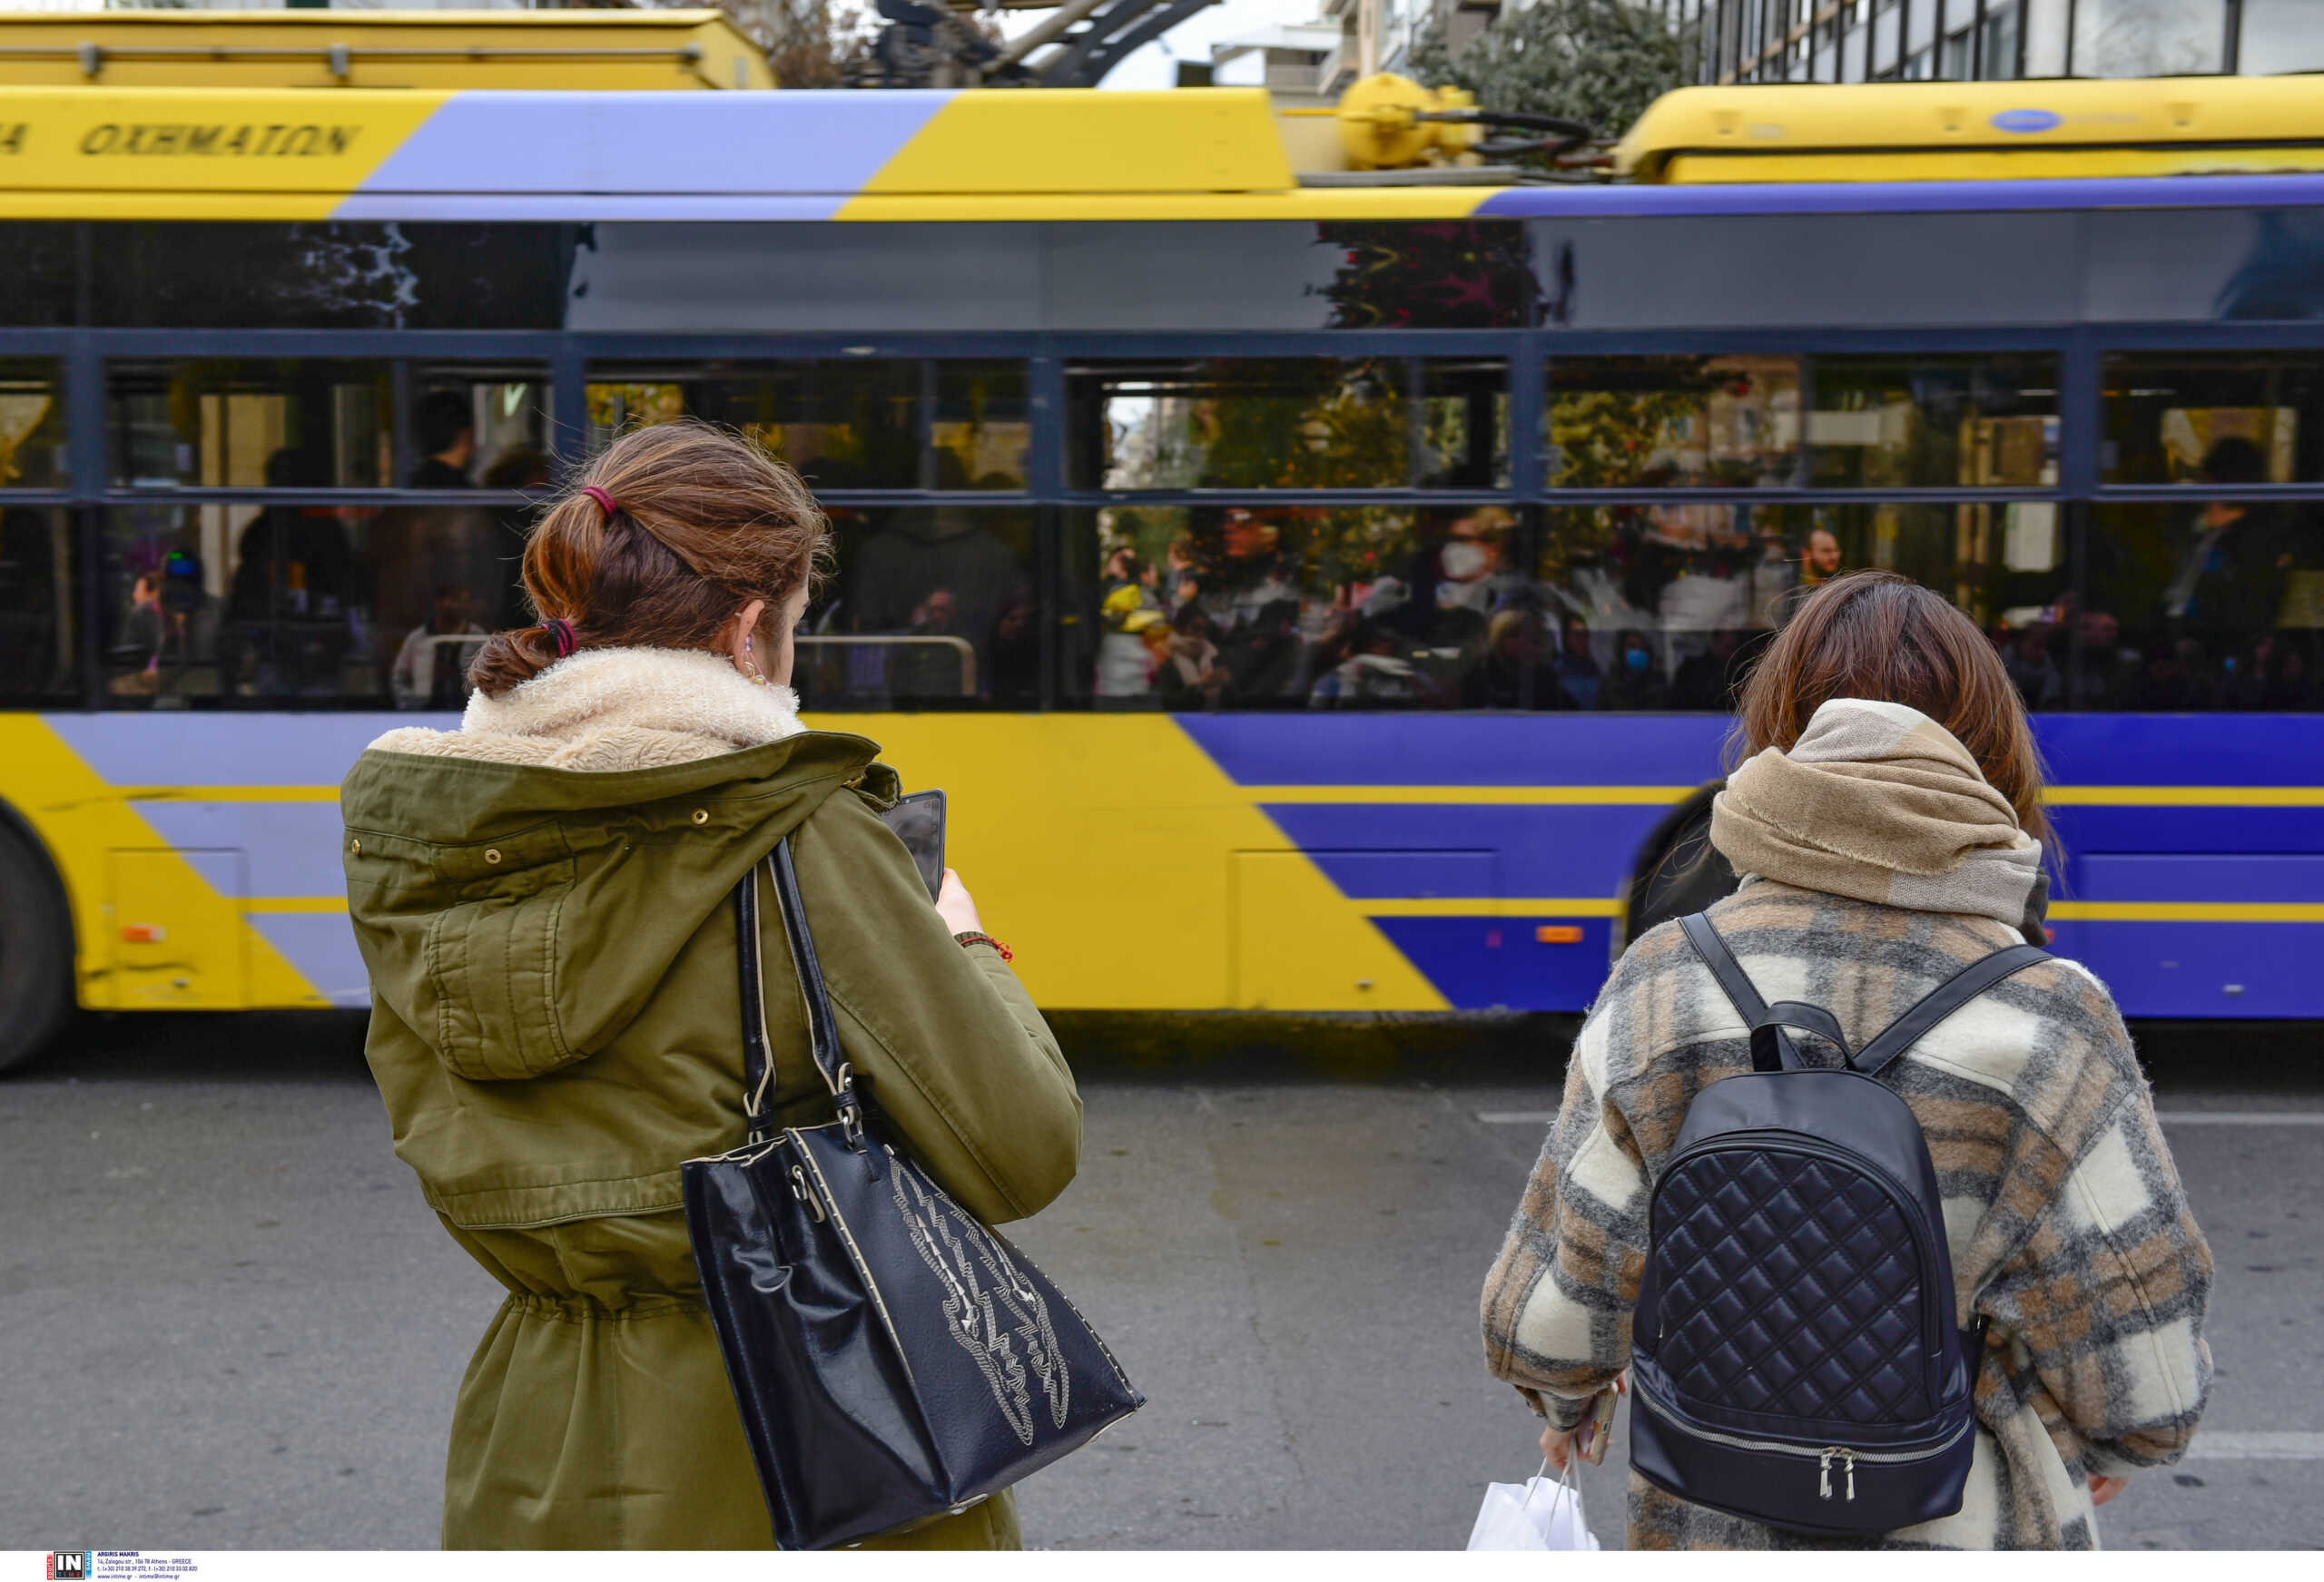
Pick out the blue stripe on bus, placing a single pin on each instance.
(1674, 750)
(224, 749)
(1480, 963)
(1495, 749)
(2183, 749)
(2276, 878)
(288, 849)
(321, 946)
(2195, 829)
(2203, 970)
(1564, 852)
(2290, 190)
(821, 147)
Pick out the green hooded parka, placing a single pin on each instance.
(556, 1026)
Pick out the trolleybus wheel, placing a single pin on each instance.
(1679, 871)
(36, 950)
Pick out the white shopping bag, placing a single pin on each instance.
(1537, 1514)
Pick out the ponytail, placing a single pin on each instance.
(670, 532)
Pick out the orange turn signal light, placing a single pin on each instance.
(1558, 934)
(145, 933)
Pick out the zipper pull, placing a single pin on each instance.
(1848, 1457)
(1824, 1475)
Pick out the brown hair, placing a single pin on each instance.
(1878, 635)
(704, 523)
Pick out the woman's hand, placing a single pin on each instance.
(2102, 1489)
(1560, 1446)
(954, 905)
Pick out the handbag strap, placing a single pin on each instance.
(822, 1028)
(758, 1069)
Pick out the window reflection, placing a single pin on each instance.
(1665, 422)
(39, 625)
(1258, 607)
(1930, 422)
(843, 423)
(32, 424)
(1665, 607)
(1287, 423)
(2213, 604)
(479, 426)
(286, 424)
(2192, 417)
(933, 607)
(275, 605)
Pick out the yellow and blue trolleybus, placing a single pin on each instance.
(1319, 589)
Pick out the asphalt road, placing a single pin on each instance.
(227, 1321)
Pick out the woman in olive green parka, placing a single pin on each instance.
(543, 900)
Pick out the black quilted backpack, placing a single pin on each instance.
(1794, 1358)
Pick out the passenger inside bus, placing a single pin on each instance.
(446, 425)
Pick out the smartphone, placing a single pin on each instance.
(1601, 1425)
(918, 820)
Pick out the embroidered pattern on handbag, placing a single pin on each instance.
(989, 1307)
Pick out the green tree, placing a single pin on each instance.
(1598, 61)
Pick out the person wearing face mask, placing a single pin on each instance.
(1460, 581)
(1636, 681)
(1474, 561)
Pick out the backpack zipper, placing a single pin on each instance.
(1824, 1455)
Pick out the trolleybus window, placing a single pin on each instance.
(289, 424)
(1663, 604)
(477, 426)
(2166, 411)
(1924, 421)
(1614, 422)
(41, 265)
(32, 424)
(844, 423)
(39, 612)
(302, 603)
(1286, 423)
(2216, 603)
(933, 606)
(329, 275)
(1258, 607)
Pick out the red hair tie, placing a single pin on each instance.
(604, 499)
(560, 632)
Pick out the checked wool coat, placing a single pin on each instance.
(2068, 1228)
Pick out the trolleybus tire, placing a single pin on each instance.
(1678, 871)
(36, 949)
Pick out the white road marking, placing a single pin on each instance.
(2167, 1118)
(2225, 1447)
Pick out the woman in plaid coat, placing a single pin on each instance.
(1887, 820)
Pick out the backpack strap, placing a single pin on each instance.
(1772, 1049)
(1947, 998)
(1724, 967)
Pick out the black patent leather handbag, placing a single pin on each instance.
(894, 1360)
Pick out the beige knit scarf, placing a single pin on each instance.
(1879, 802)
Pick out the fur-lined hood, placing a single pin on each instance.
(521, 886)
(612, 709)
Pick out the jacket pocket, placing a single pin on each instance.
(492, 960)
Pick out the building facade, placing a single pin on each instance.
(1875, 41)
(1859, 41)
